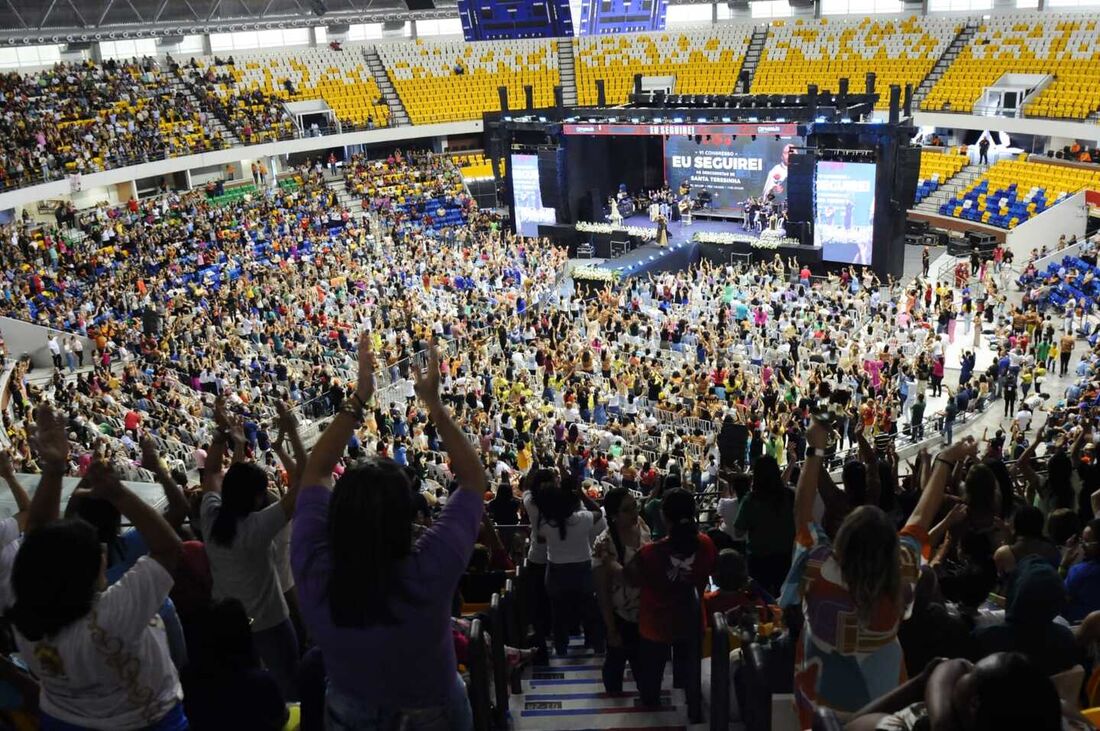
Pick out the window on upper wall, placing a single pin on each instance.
(944, 6)
(771, 9)
(189, 46)
(364, 31)
(693, 13)
(320, 32)
(441, 27)
(29, 56)
(860, 7)
(128, 49)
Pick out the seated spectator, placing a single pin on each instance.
(479, 583)
(1034, 600)
(1081, 567)
(1027, 540)
(736, 590)
(224, 684)
(1002, 691)
(380, 611)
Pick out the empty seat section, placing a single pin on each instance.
(936, 168)
(898, 50)
(704, 60)
(447, 81)
(1064, 46)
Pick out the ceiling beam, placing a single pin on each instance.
(79, 15)
(103, 16)
(137, 13)
(15, 12)
(213, 9)
(46, 15)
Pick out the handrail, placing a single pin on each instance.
(719, 673)
(478, 689)
(500, 665)
(693, 684)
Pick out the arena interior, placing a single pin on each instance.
(381, 365)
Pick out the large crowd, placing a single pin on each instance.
(592, 422)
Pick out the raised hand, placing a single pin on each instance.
(150, 457)
(102, 482)
(49, 437)
(7, 468)
(364, 387)
(427, 382)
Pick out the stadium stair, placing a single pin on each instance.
(213, 122)
(398, 115)
(568, 693)
(947, 190)
(568, 73)
(949, 55)
(752, 59)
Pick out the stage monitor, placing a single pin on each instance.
(528, 210)
(600, 17)
(729, 169)
(844, 197)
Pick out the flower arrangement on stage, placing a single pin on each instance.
(595, 274)
(767, 240)
(641, 232)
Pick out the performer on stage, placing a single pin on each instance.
(662, 231)
(616, 215)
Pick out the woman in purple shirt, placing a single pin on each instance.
(377, 605)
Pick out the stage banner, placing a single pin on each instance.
(844, 195)
(783, 129)
(529, 211)
(731, 169)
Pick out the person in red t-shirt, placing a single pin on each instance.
(672, 574)
(736, 589)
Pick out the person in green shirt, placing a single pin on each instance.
(765, 519)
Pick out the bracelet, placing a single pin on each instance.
(355, 412)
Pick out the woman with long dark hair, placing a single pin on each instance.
(854, 592)
(98, 652)
(378, 605)
(673, 574)
(618, 599)
(765, 521)
(239, 524)
(569, 519)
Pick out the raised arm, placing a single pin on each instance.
(295, 466)
(932, 497)
(177, 503)
(164, 545)
(212, 474)
(52, 444)
(330, 447)
(464, 461)
(816, 437)
(22, 500)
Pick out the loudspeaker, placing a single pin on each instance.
(420, 4)
(870, 82)
(529, 96)
(502, 92)
(906, 175)
(895, 103)
(551, 167)
(981, 240)
(800, 187)
(907, 102)
(601, 96)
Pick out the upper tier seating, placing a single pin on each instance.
(704, 60)
(899, 51)
(1062, 45)
(936, 167)
(83, 118)
(447, 81)
(1012, 191)
(340, 78)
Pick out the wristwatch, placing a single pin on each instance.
(815, 452)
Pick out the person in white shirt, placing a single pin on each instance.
(100, 654)
(568, 521)
(1023, 418)
(55, 349)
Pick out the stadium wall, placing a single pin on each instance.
(1069, 217)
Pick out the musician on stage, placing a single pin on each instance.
(662, 231)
